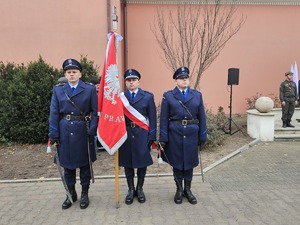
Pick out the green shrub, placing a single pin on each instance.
(25, 108)
(250, 102)
(215, 128)
(7, 73)
(89, 70)
(25, 99)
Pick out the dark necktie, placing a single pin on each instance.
(132, 95)
(73, 89)
(183, 94)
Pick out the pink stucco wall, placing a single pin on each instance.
(264, 50)
(54, 29)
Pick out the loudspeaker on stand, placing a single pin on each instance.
(233, 76)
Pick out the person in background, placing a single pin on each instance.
(62, 80)
(135, 151)
(98, 146)
(73, 106)
(96, 82)
(182, 129)
(288, 99)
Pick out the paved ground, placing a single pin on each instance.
(260, 185)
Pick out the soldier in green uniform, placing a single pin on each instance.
(288, 98)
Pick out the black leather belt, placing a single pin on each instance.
(130, 124)
(186, 122)
(70, 117)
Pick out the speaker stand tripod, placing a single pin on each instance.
(230, 118)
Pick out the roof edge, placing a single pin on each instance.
(170, 2)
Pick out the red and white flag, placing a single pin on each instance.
(111, 126)
(296, 77)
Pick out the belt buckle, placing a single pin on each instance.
(132, 125)
(68, 117)
(184, 122)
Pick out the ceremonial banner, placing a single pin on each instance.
(111, 127)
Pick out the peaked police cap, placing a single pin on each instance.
(95, 81)
(181, 72)
(132, 73)
(62, 80)
(71, 64)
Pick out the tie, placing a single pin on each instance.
(183, 94)
(132, 95)
(73, 89)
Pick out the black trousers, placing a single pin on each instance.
(84, 174)
(180, 175)
(129, 172)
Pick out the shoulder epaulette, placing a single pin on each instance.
(59, 85)
(89, 83)
(195, 90)
(148, 92)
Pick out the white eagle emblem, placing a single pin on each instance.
(112, 84)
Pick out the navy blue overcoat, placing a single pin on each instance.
(135, 152)
(73, 134)
(182, 140)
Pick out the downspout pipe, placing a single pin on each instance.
(125, 56)
(108, 16)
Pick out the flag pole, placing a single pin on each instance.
(117, 178)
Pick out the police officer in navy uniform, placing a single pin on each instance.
(68, 128)
(135, 151)
(288, 98)
(182, 129)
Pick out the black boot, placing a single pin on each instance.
(84, 200)
(139, 191)
(178, 194)
(288, 124)
(284, 124)
(188, 193)
(67, 203)
(131, 192)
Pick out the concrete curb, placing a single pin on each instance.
(238, 151)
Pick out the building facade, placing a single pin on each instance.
(263, 49)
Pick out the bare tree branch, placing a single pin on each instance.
(194, 35)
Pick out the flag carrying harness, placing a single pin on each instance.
(134, 115)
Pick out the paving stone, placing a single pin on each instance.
(261, 185)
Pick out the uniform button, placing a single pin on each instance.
(184, 126)
(72, 113)
(71, 134)
(132, 136)
(184, 136)
(71, 122)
